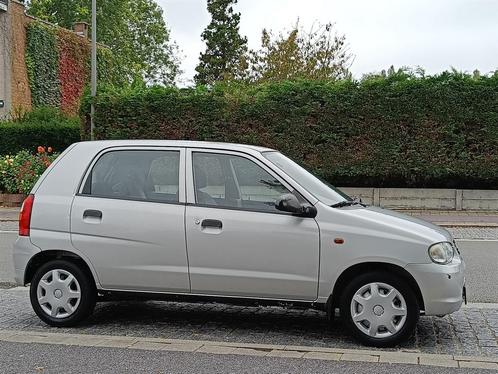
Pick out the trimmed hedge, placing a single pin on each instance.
(43, 127)
(395, 131)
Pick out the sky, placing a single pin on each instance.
(433, 34)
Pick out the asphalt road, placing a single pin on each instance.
(481, 257)
(44, 358)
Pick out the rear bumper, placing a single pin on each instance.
(441, 286)
(23, 251)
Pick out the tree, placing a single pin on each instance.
(225, 48)
(316, 54)
(134, 30)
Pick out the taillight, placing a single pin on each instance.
(25, 215)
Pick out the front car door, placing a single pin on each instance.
(238, 243)
(128, 219)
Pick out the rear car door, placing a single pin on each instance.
(238, 243)
(128, 219)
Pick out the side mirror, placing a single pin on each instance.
(289, 203)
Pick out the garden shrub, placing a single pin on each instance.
(19, 172)
(395, 131)
(44, 126)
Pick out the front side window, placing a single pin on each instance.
(137, 175)
(234, 182)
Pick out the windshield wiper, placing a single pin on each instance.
(344, 203)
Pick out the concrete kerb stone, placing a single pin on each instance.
(358, 357)
(478, 365)
(323, 356)
(268, 350)
(399, 357)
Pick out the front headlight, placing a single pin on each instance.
(442, 253)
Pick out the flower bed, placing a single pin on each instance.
(19, 173)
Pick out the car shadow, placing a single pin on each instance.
(213, 321)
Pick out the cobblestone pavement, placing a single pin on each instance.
(481, 233)
(471, 331)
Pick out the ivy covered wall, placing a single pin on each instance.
(58, 66)
(42, 63)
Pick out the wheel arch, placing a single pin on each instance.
(351, 272)
(55, 254)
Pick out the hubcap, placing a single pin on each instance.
(58, 293)
(378, 310)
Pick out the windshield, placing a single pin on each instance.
(322, 190)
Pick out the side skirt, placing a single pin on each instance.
(106, 295)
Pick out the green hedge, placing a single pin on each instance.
(395, 131)
(44, 127)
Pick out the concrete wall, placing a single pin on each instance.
(426, 198)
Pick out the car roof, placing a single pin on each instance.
(101, 144)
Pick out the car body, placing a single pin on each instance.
(231, 222)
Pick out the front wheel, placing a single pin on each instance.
(380, 309)
(62, 294)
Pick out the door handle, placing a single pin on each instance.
(214, 223)
(92, 213)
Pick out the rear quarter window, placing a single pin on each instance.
(149, 175)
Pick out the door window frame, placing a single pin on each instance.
(181, 173)
(189, 179)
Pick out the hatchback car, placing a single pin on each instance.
(236, 223)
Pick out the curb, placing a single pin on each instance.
(262, 350)
(466, 224)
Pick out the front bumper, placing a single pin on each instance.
(442, 286)
(23, 251)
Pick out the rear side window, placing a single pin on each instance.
(135, 175)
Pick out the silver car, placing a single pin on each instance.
(236, 223)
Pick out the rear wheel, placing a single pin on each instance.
(380, 309)
(62, 294)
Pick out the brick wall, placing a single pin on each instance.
(20, 92)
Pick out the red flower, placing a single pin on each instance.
(49, 149)
(41, 149)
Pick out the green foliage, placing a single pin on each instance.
(58, 65)
(319, 53)
(109, 70)
(400, 131)
(19, 172)
(44, 126)
(42, 61)
(134, 30)
(225, 48)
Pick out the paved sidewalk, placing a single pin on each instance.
(457, 218)
(9, 214)
(473, 331)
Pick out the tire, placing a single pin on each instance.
(65, 301)
(367, 317)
